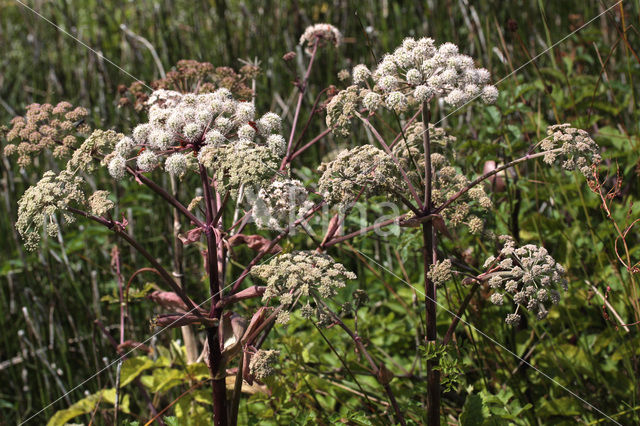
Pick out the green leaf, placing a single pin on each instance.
(171, 421)
(198, 371)
(563, 406)
(132, 368)
(163, 379)
(472, 414)
(88, 405)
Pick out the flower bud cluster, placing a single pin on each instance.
(580, 151)
(440, 272)
(262, 362)
(98, 145)
(39, 204)
(45, 127)
(323, 34)
(281, 204)
(363, 171)
(529, 275)
(99, 203)
(244, 163)
(54, 193)
(342, 108)
(190, 76)
(301, 273)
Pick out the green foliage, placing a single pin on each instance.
(503, 405)
(447, 363)
(88, 405)
(472, 411)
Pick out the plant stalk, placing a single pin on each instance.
(302, 89)
(429, 257)
(216, 367)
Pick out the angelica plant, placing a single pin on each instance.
(202, 130)
(185, 134)
(438, 196)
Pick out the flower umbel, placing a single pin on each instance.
(45, 126)
(261, 364)
(39, 204)
(580, 151)
(219, 129)
(364, 170)
(323, 34)
(440, 272)
(418, 70)
(468, 209)
(302, 273)
(529, 275)
(281, 204)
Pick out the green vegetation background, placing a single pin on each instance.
(53, 295)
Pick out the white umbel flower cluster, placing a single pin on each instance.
(414, 73)
(363, 171)
(529, 275)
(577, 148)
(302, 273)
(281, 204)
(176, 164)
(99, 203)
(418, 70)
(219, 129)
(322, 33)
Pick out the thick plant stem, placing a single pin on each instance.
(429, 255)
(218, 379)
(426, 141)
(216, 367)
(188, 335)
(433, 374)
